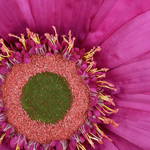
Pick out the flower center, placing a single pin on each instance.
(46, 97)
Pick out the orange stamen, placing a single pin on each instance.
(53, 39)
(22, 39)
(70, 41)
(33, 36)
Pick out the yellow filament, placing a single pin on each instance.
(56, 35)
(4, 47)
(100, 95)
(90, 54)
(17, 147)
(106, 107)
(100, 76)
(53, 39)
(101, 118)
(33, 36)
(70, 42)
(100, 110)
(105, 82)
(89, 139)
(108, 87)
(2, 137)
(90, 66)
(79, 145)
(49, 37)
(97, 128)
(22, 39)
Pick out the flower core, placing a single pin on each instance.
(88, 132)
(46, 97)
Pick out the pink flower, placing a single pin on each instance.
(122, 30)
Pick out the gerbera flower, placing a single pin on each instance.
(121, 29)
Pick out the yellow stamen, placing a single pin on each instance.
(101, 132)
(105, 86)
(89, 55)
(53, 39)
(105, 82)
(100, 110)
(105, 108)
(97, 128)
(70, 41)
(2, 137)
(90, 66)
(96, 138)
(4, 48)
(89, 139)
(100, 76)
(22, 39)
(17, 147)
(79, 145)
(106, 98)
(33, 36)
(100, 70)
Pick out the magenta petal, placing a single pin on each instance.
(89, 113)
(45, 146)
(72, 144)
(9, 129)
(18, 54)
(18, 139)
(15, 22)
(26, 55)
(129, 46)
(32, 51)
(3, 70)
(58, 145)
(4, 146)
(33, 145)
(2, 118)
(1, 105)
(26, 60)
(3, 125)
(53, 143)
(96, 112)
(82, 139)
(47, 54)
(135, 123)
(136, 76)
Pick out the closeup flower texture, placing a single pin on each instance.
(109, 42)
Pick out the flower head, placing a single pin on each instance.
(121, 30)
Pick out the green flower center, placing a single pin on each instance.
(46, 97)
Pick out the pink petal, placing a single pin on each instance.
(132, 77)
(4, 70)
(115, 53)
(2, 118)
(110, 17)
(26, 60)
(15, 22)
(4, 146)
(133, 123)
(1, 105)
